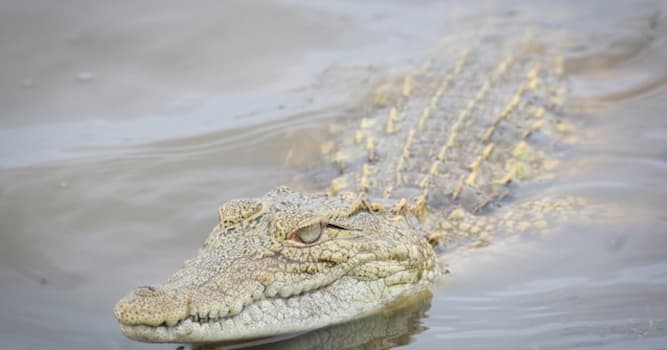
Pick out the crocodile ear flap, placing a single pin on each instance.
(236, 210)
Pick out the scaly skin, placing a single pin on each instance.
(434, 151)
(394, 324)
(252, 274)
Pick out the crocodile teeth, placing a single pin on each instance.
(223, 311)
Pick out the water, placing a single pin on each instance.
(123, 126)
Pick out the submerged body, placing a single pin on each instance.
(423, 169)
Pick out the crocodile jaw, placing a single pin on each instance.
(339, 302)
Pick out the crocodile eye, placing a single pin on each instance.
(309, 234)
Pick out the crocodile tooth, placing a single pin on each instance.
(236, 307)
(223, 311)
(271, 291)
(285, 291)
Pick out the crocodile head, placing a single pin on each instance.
(286, 262)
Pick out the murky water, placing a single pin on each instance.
(124, 125)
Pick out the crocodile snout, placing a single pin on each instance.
(151, 306)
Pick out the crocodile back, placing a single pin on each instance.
(460, 130)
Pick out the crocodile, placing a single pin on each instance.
(436, 151)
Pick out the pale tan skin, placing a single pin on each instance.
(287, 246)
(425, 167)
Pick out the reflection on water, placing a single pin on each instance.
(123, 127)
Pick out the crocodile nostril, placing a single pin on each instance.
(150, 288)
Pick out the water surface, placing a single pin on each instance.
(123, 126)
